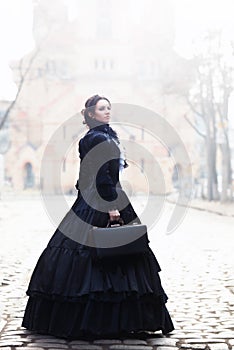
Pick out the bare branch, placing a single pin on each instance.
(22, 80)
(194, 127)
(20, 68)
(193, 108)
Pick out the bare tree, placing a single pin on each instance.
(23, 77)
(209, 100)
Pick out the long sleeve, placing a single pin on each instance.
(107, 174)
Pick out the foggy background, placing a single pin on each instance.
(172, 57)
(170, 60)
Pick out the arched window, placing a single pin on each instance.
(64, 165)
(142, 165)
(29, 178)
(176, 174)
(142, 133)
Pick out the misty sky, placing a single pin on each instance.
(192, 19)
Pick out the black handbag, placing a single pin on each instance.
(120, 239)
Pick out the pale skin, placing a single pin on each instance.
(102, 114)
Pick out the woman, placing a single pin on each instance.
(72, 293)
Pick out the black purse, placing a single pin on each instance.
(120, 239)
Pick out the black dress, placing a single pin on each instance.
(75, 295)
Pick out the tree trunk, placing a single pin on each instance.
(214, 171)
(226, 193)
(209, 170)
(225, 173)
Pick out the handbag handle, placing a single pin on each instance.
(118, 222)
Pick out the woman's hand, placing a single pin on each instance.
(114, 214)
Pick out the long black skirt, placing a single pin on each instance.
(74, 295)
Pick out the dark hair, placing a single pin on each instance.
(90, 107)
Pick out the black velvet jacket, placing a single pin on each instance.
(99, 162)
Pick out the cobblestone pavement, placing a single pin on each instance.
(197, 275)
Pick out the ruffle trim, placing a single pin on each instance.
(107, 297)
(64, 273)
(95, 318)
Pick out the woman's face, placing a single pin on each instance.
(102, 111)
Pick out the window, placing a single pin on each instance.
(96, 64)
(176, 173)
(64, 165)
(102, 64)
(142, 165)
(28, 176)
(51, 67)
(142, 133)
(55, 69)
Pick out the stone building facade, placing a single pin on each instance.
(103, 50)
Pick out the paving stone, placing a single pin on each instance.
(228, 332)
(49, 345)
(134, 342)
(16, 332)
(193, 346)
(177, 335)
(78, 342)
(51, 340)
(10, 336)
(14, 338)
(130, 347)
(167, 348)
(191, 335)
(15, 324)
(107, 341)
(224, 335)
(163, 341)
(10, 343)
(27, 348)
(11, 328)
(205, 340)
(2, 323)
(220, 346)
(34, 335)
(87, 347)
(193, 328)
(158, 336)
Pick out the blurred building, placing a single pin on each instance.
(4, 143)
(108, 48)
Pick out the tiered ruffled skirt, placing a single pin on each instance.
(74, 295)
